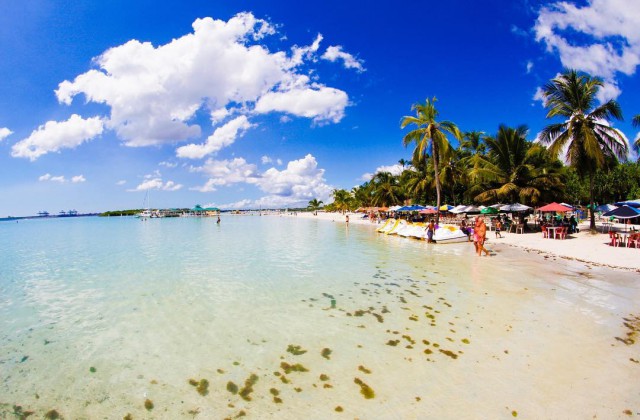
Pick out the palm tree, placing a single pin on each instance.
(403, 163)
(314, 204)
(515, 170)
(430, 133)
(387, 190)
(342, 200)
(586, 133)
(472, 142)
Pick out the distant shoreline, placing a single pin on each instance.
(66, 216)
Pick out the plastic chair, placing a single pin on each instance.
(520, 227)
(633, 240)
(559, 232)
(612, 239)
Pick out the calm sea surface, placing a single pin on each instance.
(102, 316)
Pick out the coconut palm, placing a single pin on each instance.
(417, 182)
(387, 190)
(585, 135)
(430, 133)
(515, 170)
(342, 200)
(314, 204)
(473, 143)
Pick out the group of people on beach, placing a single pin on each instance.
(480, 235)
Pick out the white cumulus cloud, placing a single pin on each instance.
(392, 169)
(600, 38)
(335, 52)
(49, 177)
(225, 172)
(4, 133)
(78, 178)
(222, 137)
(54, 135)
(151, 183)
(154, 92)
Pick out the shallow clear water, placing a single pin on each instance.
(99, 314)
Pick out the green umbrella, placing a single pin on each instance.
(489, 210)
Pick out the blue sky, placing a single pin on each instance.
(247, 104)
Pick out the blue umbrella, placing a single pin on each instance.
(624, 212)
(414, 207)
(630, 203)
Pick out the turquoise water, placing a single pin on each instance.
(97, 315)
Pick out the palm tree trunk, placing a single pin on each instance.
(435, 170)
(592, 221)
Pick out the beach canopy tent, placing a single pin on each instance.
(515, 207)
(489, 210)
(555, 207)
(624, 212)
(606, 207)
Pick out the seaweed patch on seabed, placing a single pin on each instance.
(632, 324)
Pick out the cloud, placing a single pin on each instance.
(53, 136)
(298, 183)
(222, 137)
(334, 53)
(601, 38)
(4, 133)
(78, 178)
(529, 66)
(168, 164)
(49, 177)
(395, 170)
(121, 182)
(225, 172)
(266, 159)
(320, 103)
(154, 92)
(156, 183)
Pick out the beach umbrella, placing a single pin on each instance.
(489, 210)
(458, 209)
(606, 207)
(394, 208)
(630, 203)
(445, 207)
(555, 207)
(497, 205)
(515, 207)
(472, 209)
(428, 211)
(624, 212)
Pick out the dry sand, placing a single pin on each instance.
(582, 246)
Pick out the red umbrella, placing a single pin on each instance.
(555, 207)
(428, 211)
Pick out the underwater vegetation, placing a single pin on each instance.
(52, 415)
(365, 389)
(148, 404)
(295, 350)
(245, 392)
(20, 413)
(364, 369)
(232, 388)
(326, 353)
(293, 368)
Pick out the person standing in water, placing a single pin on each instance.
(218, 221)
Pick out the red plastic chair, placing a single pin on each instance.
(612, 239)
(559, 233)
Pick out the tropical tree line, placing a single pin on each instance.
(581, 159)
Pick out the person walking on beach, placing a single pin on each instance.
(498, 228)
(430, 230)
(480, 234)
(347, 220)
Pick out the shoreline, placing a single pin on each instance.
(583, 246)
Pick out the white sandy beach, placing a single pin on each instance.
(582, 246)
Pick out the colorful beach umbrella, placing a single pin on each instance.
(489, 210)
(606, 207)
(624, 212)
(515, 207)
(630, 203)
(555, 207)
(445, 207)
